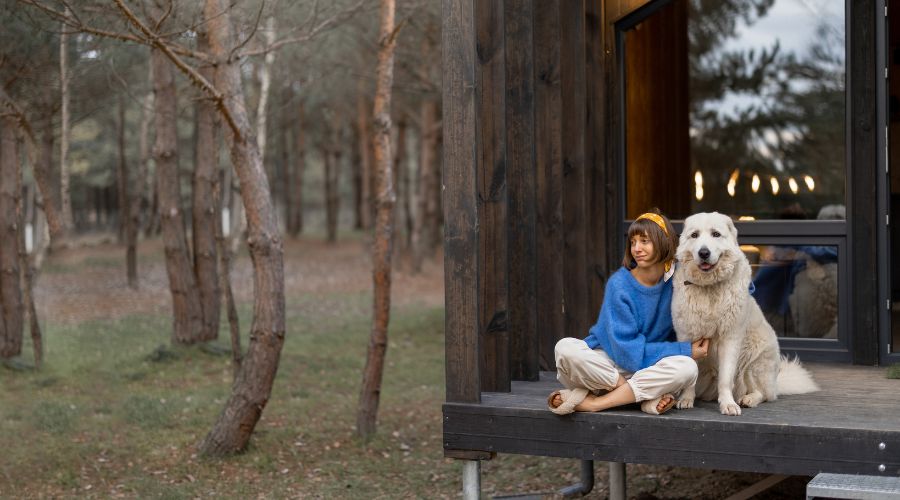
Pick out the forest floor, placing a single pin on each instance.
(115, 412)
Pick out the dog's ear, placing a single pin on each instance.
(731, 227)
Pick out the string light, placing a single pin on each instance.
(754, 183)
(793, 185)
(698, 185)
(810, 183)
(732, 182)
(774, 182)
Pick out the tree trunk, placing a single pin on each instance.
(26, 274)
(331, 154)
(64, 189)
(399, 167)
(422, 237)
(144, 201)
(362, 171)
(295, 190)
(187, 312)
(126, 218)
(406, 191)
(251, 390)
(381, 248)
(204, 214)
(281, 186)
(10, 290)
(237, 353)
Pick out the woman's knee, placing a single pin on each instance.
(685, 370)
(567, 346)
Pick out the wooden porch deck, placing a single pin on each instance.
(839, 429)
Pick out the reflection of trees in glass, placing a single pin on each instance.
(764, 110)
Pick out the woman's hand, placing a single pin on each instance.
(700, 349)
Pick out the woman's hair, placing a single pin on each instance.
(664, 245)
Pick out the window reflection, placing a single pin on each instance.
(736, 106)
(796, 286)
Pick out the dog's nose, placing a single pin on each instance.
(703, 253)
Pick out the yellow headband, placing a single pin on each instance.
(655, 218)
(662, 225)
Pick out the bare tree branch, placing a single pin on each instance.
(312, 33)
(73, 21)
(191, 72)
(240, 45)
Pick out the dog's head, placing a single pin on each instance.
(708, 248)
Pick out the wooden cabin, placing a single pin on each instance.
(563, 120)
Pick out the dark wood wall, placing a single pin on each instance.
(541, 199)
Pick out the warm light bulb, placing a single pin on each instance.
(754, 184)
(774, 182)
(698, 185)
(732, 182)
(810, 183)
(793, 185)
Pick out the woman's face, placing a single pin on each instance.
(642, 250)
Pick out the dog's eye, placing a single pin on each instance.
(695, 234)
(716, 234)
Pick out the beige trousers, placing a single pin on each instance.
(577, 365)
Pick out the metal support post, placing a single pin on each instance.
(616, 481)
(471, 479)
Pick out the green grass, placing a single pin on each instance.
(112, 413)
(893, 371)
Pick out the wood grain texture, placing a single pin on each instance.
(549, 180)
(518, 29)
(492, 220)
(595, 151)
(459, 201)
(863, 195)
(572, 82)
(835, 430)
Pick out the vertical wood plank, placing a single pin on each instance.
(492, 250)
(459, 201)
(572, 77)
(518, 18)
(595, 150)
(548, 166)
(863, 214)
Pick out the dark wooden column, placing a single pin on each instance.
(549, 179)
(492, 247)
(572, 79)
(597, 200)
(518, 29)
(459, 202)
(863, 210)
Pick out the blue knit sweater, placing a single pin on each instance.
(635, 323)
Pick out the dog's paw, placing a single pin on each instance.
(685, 403)
(730, 408)
(749, 401)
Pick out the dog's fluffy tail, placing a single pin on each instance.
(793, 378)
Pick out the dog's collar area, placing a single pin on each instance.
(752, 287)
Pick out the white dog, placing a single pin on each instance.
(712, 300)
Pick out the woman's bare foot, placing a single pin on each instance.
(556, 400)
(665, 402)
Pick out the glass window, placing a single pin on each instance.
(737, 106)
(796, 286)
